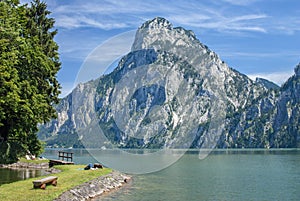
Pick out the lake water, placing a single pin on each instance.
(223, 175)
(11, 175)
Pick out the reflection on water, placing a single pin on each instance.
(12, 175)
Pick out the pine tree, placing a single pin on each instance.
(29, 63)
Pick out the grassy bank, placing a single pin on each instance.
(71, 175)
(37, 161)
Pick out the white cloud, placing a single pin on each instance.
(79, 21)
(288, 28)
(222, 23)
(124, 14)
(276, 77)
(230, 53)
(222, 16)
(240, 2)
(106, 7)
(247, 17)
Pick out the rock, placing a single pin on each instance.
(95, 187)
(266, 83)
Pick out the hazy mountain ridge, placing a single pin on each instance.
(255, 115)
(268, 84)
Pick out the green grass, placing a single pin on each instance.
(71, 176)
(37, 161)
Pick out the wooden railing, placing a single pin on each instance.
(65, 155)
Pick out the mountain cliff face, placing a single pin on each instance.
(268, 84)
(271, 121)
(172, 91)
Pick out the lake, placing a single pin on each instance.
(223, 175)
(11, 175)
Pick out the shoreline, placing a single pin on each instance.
(86, 191)
(31, 166)
(26, 165)
(96, 187)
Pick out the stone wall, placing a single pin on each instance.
(95, 187)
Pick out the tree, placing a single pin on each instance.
(29, 62)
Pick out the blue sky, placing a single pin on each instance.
(256, 37)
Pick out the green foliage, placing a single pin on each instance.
(29, 63)
(10, 151)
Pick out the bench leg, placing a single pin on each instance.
(54, 182)
(43, 186)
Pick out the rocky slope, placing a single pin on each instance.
(172, 91)
(95, 188)
(271, 121)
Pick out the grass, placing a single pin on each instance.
(69, 177)
(37, 161)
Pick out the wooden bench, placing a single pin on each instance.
(43, 182)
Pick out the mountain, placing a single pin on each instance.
(268, 84)
(272, 120)
(171, 91)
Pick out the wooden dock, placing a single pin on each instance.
(61, 159)
(53, 162)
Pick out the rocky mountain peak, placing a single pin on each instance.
(159, 34)
(157, 23)
(171, 91)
